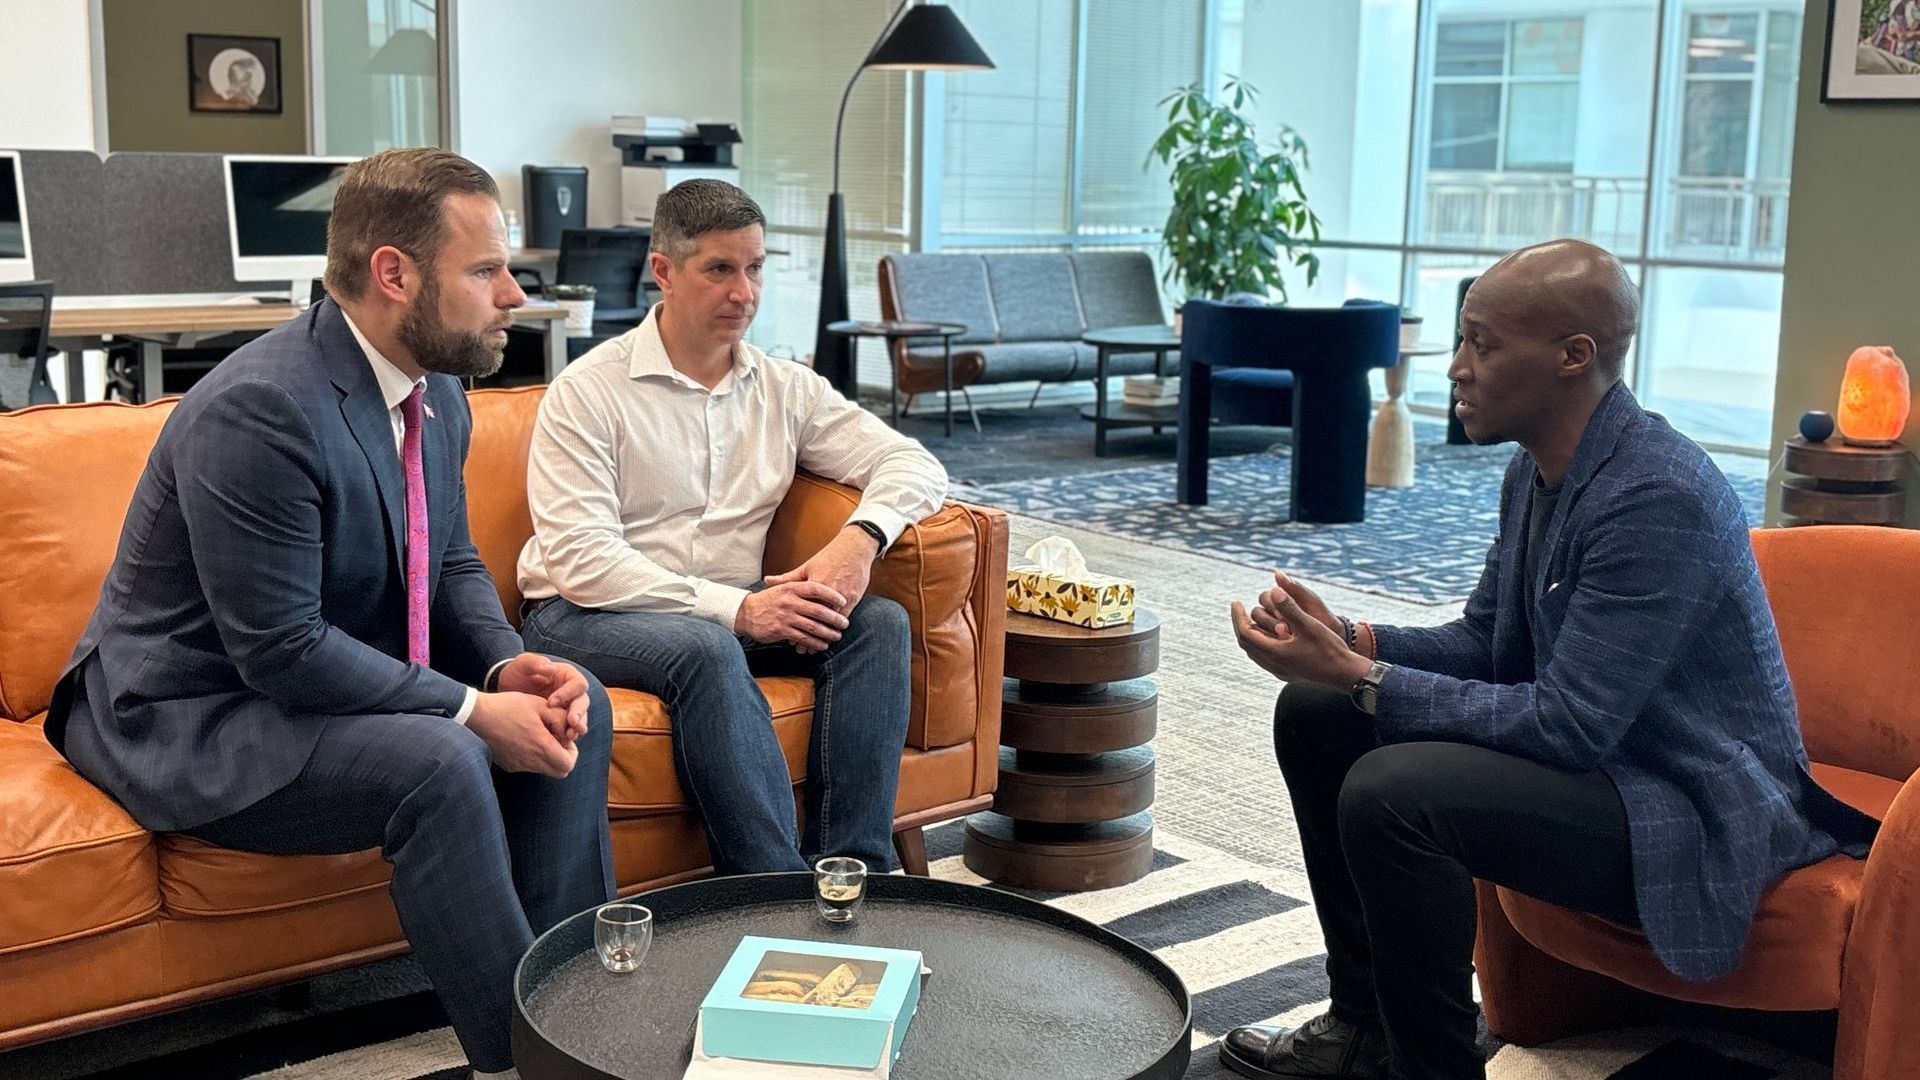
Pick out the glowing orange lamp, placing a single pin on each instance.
(1874, 397)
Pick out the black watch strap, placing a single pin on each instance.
(872, 530)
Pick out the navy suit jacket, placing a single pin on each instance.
(259, 587)
(1651, 655)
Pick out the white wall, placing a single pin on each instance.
(46, 80)
(538, 83)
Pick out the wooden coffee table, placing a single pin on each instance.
(1076, 773)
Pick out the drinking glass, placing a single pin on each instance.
(621, 935)
(839, 884)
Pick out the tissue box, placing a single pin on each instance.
(1092, 600)
(811, 1003)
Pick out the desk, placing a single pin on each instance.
(158, 327)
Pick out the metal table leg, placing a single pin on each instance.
(149, 371)
(76, 375)
(1100, 401)
(947, 362)
(893, 382)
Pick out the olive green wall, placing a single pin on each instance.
(146, 46)
(1853, 246)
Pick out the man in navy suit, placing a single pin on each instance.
(298, 649)
(1609, 727)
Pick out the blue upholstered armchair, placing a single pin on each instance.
(1326, 354)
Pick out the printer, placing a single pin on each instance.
(657, 152)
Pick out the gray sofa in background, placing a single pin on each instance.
(1024, 314)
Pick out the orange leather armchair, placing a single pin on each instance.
(1841, 934)
(102, 922)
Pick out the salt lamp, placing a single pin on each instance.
(1874, 397)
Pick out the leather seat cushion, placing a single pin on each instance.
(199, 879)
(643, 779)
(72, 863)
(1793, 953)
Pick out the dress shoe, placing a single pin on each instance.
(1323, 1047)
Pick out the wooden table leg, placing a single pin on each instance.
(1390, 448)
(911, 846)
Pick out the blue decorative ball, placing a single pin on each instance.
(1816, 425)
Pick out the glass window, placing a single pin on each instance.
(1466, 126)
(1710, 344)
(1714, 137)
(1008, 157)
(1722, 44)
(1541, 121)
(1138, 52)
(1548, 47)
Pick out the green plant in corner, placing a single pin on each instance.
(1239, 213)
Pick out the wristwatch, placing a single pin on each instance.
(1366, 693)
(872, 530)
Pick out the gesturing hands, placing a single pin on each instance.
(808, 605)
(1291, 634)
(530, 725)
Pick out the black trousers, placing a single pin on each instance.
(1393, 837)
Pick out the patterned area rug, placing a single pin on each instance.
(1241, 937)
(1425, 544)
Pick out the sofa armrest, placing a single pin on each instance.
(950, 572)
(1879, 980)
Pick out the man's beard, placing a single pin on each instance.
(436, 347)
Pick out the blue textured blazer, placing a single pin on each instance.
(1652, 656)
(259, 586)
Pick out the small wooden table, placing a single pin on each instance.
(159, 327)
(1831, 483)
(1076, 775)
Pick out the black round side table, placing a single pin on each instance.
(893, 330)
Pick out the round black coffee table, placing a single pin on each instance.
(1019, 990)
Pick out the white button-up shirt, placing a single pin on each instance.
(650, 492)
(395, 389)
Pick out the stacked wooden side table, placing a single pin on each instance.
(1076, 773)
(1831, 483)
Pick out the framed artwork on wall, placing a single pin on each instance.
(1873, 51)
(232, 74)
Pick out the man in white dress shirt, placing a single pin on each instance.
(657, 464)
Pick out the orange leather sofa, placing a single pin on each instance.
(102, 922)
(1841, 934)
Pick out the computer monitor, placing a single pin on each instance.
(277, 210)
(16, 250)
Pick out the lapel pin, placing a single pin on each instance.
(430, 413)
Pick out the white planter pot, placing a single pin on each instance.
(579, 316)
(1410, 334)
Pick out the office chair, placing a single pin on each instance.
(614, 262)
(26, 311)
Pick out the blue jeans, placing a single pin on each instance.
(725, 750)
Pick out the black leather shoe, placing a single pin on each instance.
(1323, 1047)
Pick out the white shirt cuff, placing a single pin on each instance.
(718, 603)
(466, 707)
(890, 521)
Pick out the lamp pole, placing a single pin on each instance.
(833, 353)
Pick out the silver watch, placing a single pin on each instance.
(1366, 693)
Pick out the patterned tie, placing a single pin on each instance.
(417, 615)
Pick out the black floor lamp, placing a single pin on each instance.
(925, 38)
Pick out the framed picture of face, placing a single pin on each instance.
(1873, 51)
(233, 74)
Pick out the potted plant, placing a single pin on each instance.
(1411, 323)
(577, 302)
(1239, 213)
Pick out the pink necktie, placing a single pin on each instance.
(417, 615)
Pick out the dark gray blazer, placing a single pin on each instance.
(258, 584)
(1652, 656)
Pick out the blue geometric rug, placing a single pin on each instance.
(1425, 544)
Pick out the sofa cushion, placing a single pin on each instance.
(1053, 361)
(199, 879)
(496, 475)
(72, 863)
(1117, 288)
(945, 288)
(1034, 298)
(643, 779)
(68, 472)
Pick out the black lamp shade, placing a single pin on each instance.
(930, 37)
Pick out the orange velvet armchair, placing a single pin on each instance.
(1841, 934)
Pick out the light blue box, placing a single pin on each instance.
(756, 1029)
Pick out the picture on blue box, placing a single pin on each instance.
(811, 979)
